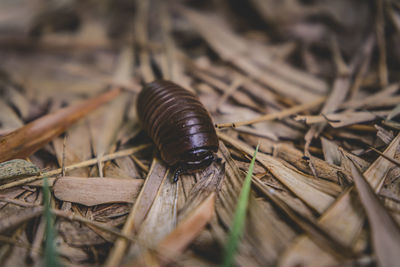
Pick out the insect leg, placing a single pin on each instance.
(178, 172)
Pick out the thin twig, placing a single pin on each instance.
(90, 162)
(278, 115)
(63, 156)
(139, 163)
(396, 162)
(236, 83)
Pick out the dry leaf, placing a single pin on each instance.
(23, 142)
(385, 231)
(95, 190)
(171, 246)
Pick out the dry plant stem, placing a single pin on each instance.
(173, 245)
(100, 165)
(237, 82)
(232, 49)
(63, 155)
(37, 241)
(90, 162)
(362, 128)
(278, 115)
(293, 180)
(396, 162)
(361, 73)
(73, 217)
(140, 164)
(141, 35)
(341, 86)
(149, 191)
(338, 94)
(168, 43)
(380, 36)
(130, 86)
(392, 125)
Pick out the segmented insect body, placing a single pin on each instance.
(179, 125)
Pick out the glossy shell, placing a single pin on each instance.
(178, 124)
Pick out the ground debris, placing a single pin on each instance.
(314, 83)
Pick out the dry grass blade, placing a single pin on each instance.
(95, 191)
(385, 231)
(311, 191)
(171, 246)
(341, 87)
(343, 219)
(157, 174)
(296, 158)
(231, 47)
(188, 229)
(90, 162)
(315, 232)
(396, 162)
(23, 142)
(349, 118)
(50, 251)
(36, 210)
(265, 233)
(395, 112)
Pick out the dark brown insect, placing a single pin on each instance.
(179, 125)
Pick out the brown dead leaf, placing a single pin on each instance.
(26, 140)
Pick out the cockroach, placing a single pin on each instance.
(179, 125)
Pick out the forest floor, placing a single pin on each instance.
(314, 83)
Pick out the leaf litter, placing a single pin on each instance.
(313, 82)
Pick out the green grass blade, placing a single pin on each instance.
(239, 218)
(50, 253)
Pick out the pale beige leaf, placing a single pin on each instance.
(157, 174)
(95, 191)
(171, 246)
